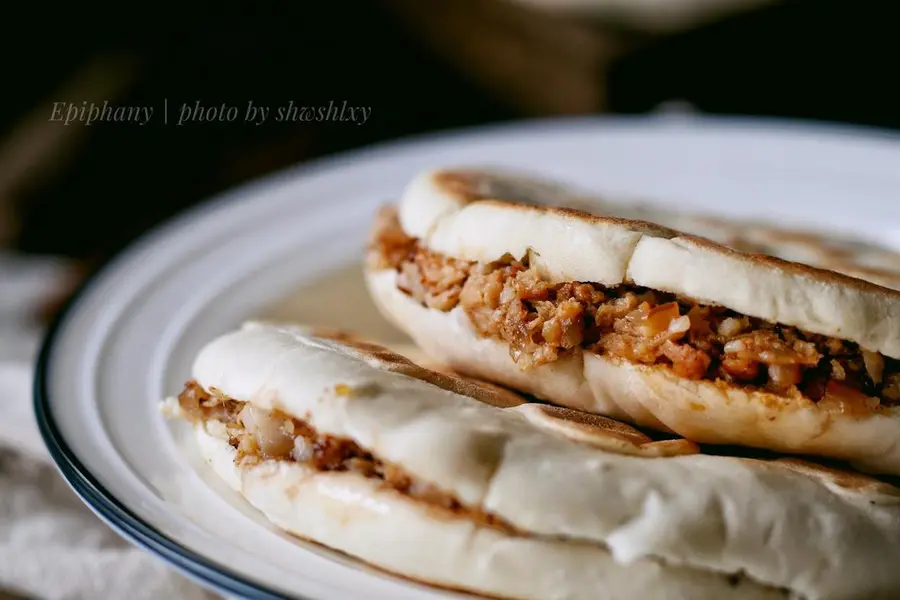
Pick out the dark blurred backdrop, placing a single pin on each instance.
(420, 65)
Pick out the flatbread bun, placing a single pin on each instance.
(593, 509)
(436, 192)
(479, 215)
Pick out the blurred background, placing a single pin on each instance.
(74, 189)
(83, 190)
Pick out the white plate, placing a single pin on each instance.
(130, 336)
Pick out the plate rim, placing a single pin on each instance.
(100, 500)
(193, 565)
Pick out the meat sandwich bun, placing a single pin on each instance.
(454, 484)
(644, 323)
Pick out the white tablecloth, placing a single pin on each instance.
(51, 546)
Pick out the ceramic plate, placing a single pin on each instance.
(129, 337)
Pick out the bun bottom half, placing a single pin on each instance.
(355, 515)
(711, 412)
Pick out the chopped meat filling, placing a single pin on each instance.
(258, 434)
(541, 321)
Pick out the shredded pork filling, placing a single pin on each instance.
(541, 321)
(258, 434)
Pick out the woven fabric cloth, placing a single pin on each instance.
(51, 546)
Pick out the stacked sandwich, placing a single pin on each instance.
(678, 418)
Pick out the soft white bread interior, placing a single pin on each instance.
(483, 215)
(703, 411)
(594, 521)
